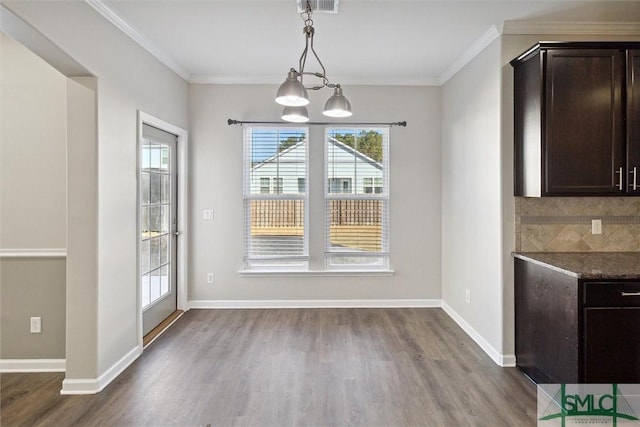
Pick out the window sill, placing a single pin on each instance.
(315, 273)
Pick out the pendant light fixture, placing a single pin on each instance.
(293, 93)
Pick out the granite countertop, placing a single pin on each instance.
(588, 265)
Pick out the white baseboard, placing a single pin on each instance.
(96, 385)
(375, 303)
(504, 360)
(32, 365)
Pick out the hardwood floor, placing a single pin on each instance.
(302, 367)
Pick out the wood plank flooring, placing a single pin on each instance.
(292, 367)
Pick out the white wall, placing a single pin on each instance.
(472, 227)
(32, 150)
(32, 203)
(129, 79)
(216, 183)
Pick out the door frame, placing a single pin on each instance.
(182, 241)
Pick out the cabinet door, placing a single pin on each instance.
(584, 137)
(611, 345)
(633, 121)
(546, 323)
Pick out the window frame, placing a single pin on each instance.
(330, 254)
(276, 262)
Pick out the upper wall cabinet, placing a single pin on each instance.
(577, 119)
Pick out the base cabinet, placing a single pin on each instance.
(576, 331)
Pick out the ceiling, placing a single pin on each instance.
(418, 42)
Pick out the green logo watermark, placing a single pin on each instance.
(591, 404)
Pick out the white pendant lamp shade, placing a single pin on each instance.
(295, 114)
(292, 93)
(337, 105)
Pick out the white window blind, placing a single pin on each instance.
(275, 215)
(357, 198)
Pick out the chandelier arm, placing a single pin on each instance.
(302, 62)
(325, 81)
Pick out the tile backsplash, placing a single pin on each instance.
(563, 224)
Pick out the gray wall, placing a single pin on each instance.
(216, 183)
(471, 195)
(32, 287)
(33, 204)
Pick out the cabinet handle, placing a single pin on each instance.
(630, 294)
(635, 173)
(619, 172)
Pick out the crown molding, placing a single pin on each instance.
(344, 81)
(467, 56)
(138, 37)
(235, 80)
(575, 28)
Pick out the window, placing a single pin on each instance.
(357, 220)
(340, 185)
(265, 185)
(355, 200)
(372, 185)
(276, 220)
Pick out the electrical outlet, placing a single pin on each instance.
(467, 296)
(211, 278)
(207, 214)
(36, 325)
(596, 226)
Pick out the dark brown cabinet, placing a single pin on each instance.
(576, 119)
(633, 118)
(570, 330)
(611, 321)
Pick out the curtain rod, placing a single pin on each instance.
(243, 122)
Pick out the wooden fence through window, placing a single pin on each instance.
(290, 213)
(354, 223)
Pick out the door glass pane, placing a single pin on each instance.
(144, 188)
(155, 253)
(155, 156)
(166, 194)
(154, 220)
(164, 158)
(145, 292)
(144, 222)
(164, 249)
(144, 256)
(165, 219)
(156, 187)
(164, 280)
(155, 285)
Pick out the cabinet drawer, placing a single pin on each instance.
(612, 294)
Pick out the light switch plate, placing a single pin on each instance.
(207, 214)
(596, 226)
(36, 325)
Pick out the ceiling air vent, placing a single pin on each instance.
(325, 6)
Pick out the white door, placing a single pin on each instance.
(158, 225)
